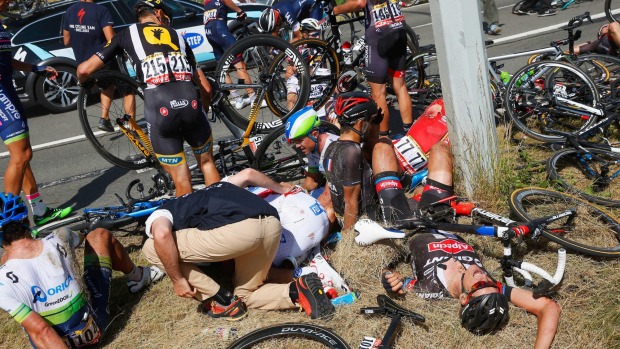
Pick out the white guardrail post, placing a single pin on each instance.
(462, 59)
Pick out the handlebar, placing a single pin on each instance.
(386, 306)
(577, 21)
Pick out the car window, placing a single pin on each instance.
(39, 30)
(177, 9)
(116, 17)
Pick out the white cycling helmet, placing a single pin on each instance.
(310, 24)
(268, 20)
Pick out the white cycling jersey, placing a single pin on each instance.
(304, 221)
(315, 160)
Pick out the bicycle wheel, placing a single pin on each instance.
(267, 60)
(281, 160)
(73, 223)
(593, 231)
(324, 67)
(543, 97)
(610, 7)
(285, 334)
(114, 146)
(602, 69)
(591, 176)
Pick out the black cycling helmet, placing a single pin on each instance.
(143, 5)
(268, 20)
(352, 106)
(485, 313)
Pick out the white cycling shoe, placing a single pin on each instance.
(328, 275)
(371, 232)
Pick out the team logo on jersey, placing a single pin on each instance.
(12, 277)
(159, 36)
(316, 209)
(450, 246)
(163, 111)
(38, 294)
(193, 39)
(81, 14)
(41, 296)
(179, 103)
(195, 104)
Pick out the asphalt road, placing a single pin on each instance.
(71, 173)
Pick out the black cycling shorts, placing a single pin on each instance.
(385, 55)
(174, 113)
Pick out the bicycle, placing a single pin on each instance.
(24, 8)
(609, 11)
(326, 337)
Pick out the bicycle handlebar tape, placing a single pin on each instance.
(392, 199)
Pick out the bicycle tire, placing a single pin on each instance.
(602, 69)
(25, 9)
(115, 147)
(318, 54)
(610, 16)
(280, 160)
(327, 32)
(528, 105)
(73, 221)
(580, 175)
(267, 70)
(312, 332)
(594, 232)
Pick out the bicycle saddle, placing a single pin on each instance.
(388, 307)
(371, 232)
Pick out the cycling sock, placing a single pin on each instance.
(135, 274)
(406, 127)
(392, 199)
(384, 133)
(223, 297)
(293, 293)
(36, 204)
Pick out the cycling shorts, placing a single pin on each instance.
(174, 113)
(13, 123)
(385, 55)
(220, 38)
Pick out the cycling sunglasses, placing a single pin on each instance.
(475, 287)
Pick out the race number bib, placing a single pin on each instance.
(209, 15)
(409, 155)
(387, 13)
(89, 334)
(180, 66)
(155, 69)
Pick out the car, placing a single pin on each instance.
(38, 39)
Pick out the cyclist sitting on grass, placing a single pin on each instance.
(291, 11)
(41, 289)
(304, 226)
(445, 266)
(173, 109)
(347, 163)
(219, 223)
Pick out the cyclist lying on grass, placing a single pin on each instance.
(41, 289)
(304, 226)
(444, 265)
(219, 223)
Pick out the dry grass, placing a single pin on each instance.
(588, 296)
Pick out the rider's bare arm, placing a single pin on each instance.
(41, 333)
(350, 6)
(252, 177)
(546, 311)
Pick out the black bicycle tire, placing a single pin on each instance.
(517, 207)
(263, 40)
(334, 74)
(47, 229)
(351, 38)
(562, 157)
(610, 16)
(603, 63)
(140, 162)
(274, 170)
(513, 92)
(312, 332)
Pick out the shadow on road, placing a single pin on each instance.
(94, 189)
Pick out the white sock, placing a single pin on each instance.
(37, 205)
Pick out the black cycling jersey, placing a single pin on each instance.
(345, 166)
(85, 22)
(160, 53)
(429, 252)
(217, 205)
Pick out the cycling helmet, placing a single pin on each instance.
(310, 24)
(301, 123)
(13, 210)
(352, 106)
(268, 20)
(485, 313)
(142, 5)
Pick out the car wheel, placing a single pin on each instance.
(60, 95)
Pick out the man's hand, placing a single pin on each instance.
(47, 71)
(287, 187)
(376, 120)
(182, 288)
(241, 16)
(392, 281)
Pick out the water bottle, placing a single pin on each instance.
(346, 53)
(348, 298)
(524, 78)
(359, 44)
(418, 177)
(505, 77)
